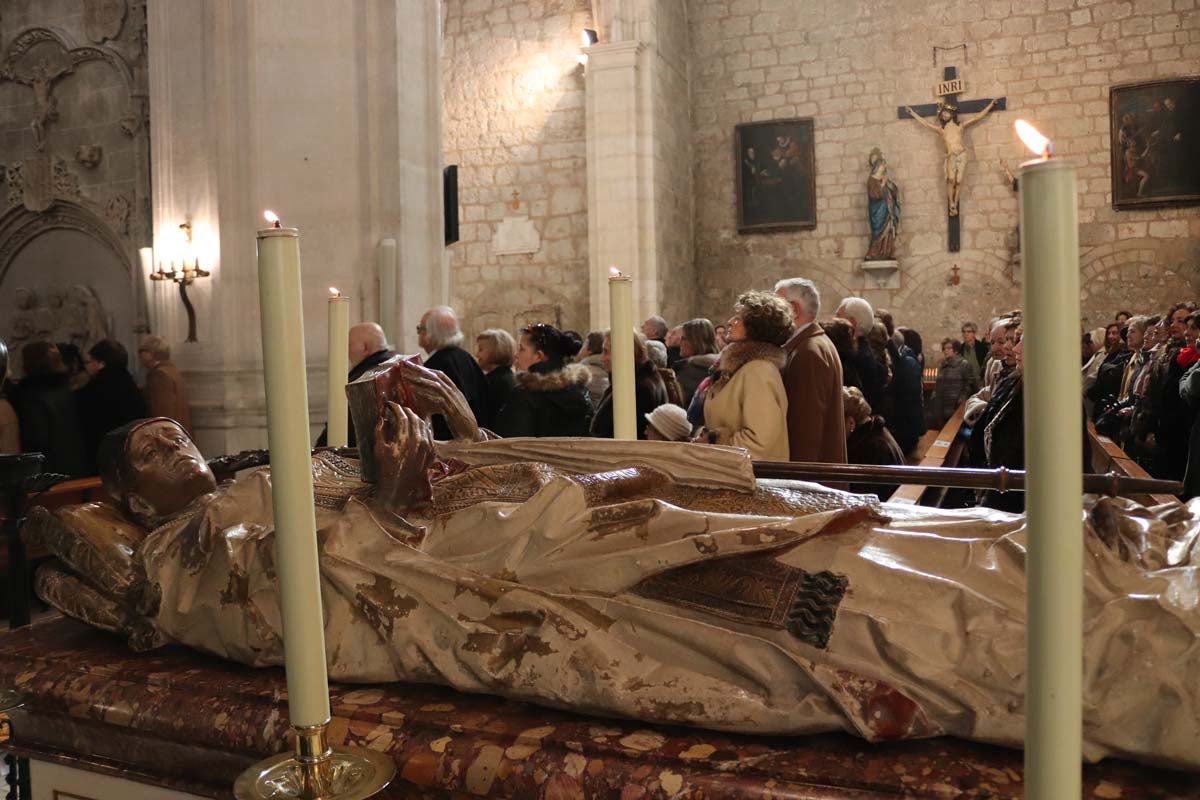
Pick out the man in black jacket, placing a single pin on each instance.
(368, 348)
(439, 335)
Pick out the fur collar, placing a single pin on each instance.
(554, 381)
(738, 354)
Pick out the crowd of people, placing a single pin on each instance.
(66, 400)
(771, 379)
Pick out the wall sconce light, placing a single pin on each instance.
(189, 270)
(587, 38)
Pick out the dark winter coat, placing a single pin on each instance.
(872, 374)
(500, 384)
(691, 372)
(462, 369)
(49, 421)
(651, 393)
(907, 389)
(1108, 381)
(109, 400)
(356, 372)
(547, 402)
(872, 443)
(955, 383)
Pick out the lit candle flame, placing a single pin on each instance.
(333, 292)
(613, 272)
(271, 217)
(1033, 138)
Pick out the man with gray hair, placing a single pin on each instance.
(439, 335)
(871, 372)
(655, 329)
(812, 376)
(367, 347)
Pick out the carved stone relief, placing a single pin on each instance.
(102, 19)
(53, 225)
(39, 58)
(116, 211)
(72, 315)
(89, 155)
(31, 184)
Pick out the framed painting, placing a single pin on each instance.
(776, 175)
(1155, 143)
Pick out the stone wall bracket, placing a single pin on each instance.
(881, 274)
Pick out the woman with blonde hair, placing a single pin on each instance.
(746, 406)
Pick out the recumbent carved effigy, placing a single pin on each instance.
(648, 580)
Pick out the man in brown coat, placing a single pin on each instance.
(165, 396)
(813, 379)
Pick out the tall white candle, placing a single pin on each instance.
(624, 394)
(1054, 464)
(388, 317)
(336, 419)
(291, 475)
(146, 257)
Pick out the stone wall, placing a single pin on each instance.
(849, 65)
(513, 116)
(673, 198)
(74, 171)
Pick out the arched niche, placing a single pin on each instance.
(49, 253)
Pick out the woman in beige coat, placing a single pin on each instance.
(746, 405)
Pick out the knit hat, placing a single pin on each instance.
(671, 421)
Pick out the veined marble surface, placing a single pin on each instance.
(191, 722)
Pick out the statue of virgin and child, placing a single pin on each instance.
(653, 580)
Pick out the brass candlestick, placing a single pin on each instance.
(316, 771)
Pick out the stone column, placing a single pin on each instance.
(331, 120)
(617, 224)
(639, 158)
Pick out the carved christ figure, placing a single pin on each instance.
(951, 131)
(652, 580)
(41, 79)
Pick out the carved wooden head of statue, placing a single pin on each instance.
(153, 467)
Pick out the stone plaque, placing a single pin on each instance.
(514, 236)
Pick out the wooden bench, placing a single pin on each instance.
(944, 451)
(1107, 456)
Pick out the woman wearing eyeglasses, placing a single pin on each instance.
(550, 397)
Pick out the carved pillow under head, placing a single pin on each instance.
(96, 542)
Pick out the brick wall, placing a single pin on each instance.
(514, 121)
(850, 64)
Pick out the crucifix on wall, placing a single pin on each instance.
(950, 129)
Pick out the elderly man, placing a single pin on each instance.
(368, 348)
(812, 376)
(439, 335)
(871, 372)
(655, 329)
(164, 392)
